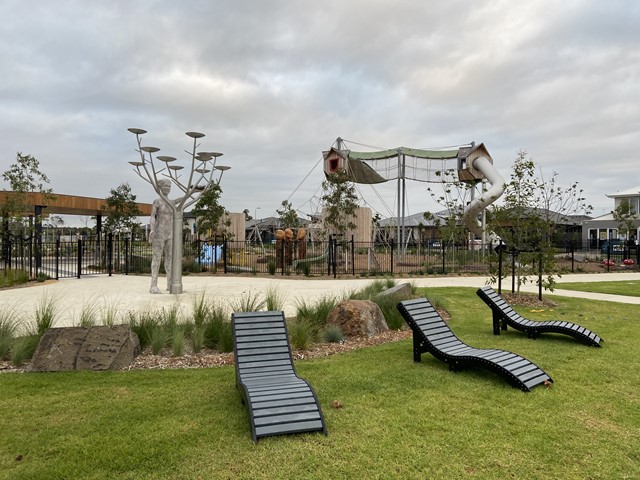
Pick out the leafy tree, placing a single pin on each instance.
(23, 177)
(626, 217)
(121, 209)
(208, 211)
(340, 201)
(288, 216)
(527, 217)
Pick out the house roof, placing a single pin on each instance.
(631, 192)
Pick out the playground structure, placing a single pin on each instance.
(470, 164)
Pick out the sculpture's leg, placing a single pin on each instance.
(156, 256)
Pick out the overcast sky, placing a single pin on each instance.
(273, 83)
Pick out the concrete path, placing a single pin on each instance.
(121, 294)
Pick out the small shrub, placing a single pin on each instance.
(158, 339)
(274, 299)
(8, 329)
(317, 313)
(225, 340)
(23, 349)
(197, 338)
(47, 312)
(42, 277)
(177, 342)
(271, 268)
(388, 306)
(333, 334)
(143, 324)
(88, 316)
(201, 309)
(9, 278)
(302, 333)
(249, 302)
(214, 324)
(110, 314)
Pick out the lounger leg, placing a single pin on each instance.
(417, 357)
(496, 324)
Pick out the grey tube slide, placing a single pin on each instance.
(471, 212)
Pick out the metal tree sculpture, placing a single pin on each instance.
(200, 178)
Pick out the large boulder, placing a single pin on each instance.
(401, 291)
(86, 348)
(358, 318)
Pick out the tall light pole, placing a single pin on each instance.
(199, 179)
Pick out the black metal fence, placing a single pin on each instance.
(333, 257)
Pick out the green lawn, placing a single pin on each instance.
(620, 287)
(399, 419)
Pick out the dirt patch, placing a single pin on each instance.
(527, 300)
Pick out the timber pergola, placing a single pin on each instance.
(65, 204)
(38, 205)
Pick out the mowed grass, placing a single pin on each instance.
(621, 287)
(399, 419)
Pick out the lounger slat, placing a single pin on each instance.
(436, 337)
(503, 311)
(286, 428)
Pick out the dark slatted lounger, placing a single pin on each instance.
(279, 402)
(505, 315)
(431, 334)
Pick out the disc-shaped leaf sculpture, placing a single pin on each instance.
(175, 167)
(137, 131)
(137, 164)
(194, 134)
(150, 149)
(165, 158)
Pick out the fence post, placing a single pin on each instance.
(391, 258)
(608, 255)
(126, 256)
(444, 251)
(334, 265)
(573, 252)
(329, 254)
(58, 258)
(110, 253)
(353, 257)
(79, 258)
(224, 253)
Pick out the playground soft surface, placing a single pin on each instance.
(397, 419)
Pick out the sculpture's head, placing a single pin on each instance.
(164, 186)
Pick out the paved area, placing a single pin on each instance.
(123, 294)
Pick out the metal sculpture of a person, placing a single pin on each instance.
(161, 236)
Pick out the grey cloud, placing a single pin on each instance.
(274, 83)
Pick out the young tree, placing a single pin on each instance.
(288, 216)
(23, 177)
(340, 201)
(121, 209)
(626, 218)
(527, 217)
(208, 211)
